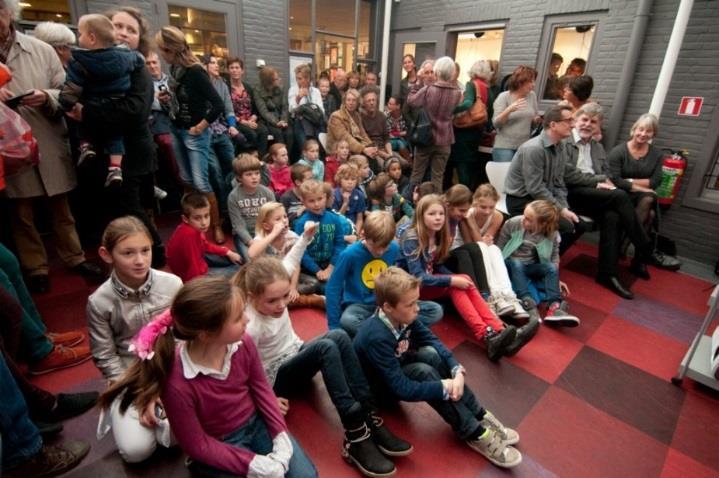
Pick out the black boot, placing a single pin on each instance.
(360, 450)
(524, 335)
(387, 442)
(498, 341)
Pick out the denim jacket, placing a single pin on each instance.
(422, 265)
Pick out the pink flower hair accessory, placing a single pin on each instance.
(143, 343)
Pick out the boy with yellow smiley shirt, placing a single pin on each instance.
(350, 290)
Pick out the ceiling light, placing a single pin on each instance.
(58, 15)
(25, 5)
(175, 15)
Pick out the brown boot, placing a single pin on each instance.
(215, 220)
(61, 357)
(51, 460)
(309, 301)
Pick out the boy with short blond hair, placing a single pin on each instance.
(404, 357)
(291, 199)
(245, 200)
(351, 289)
(321, 255)
(189, 253)
(348, 198)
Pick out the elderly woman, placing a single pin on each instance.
(37, 69)
(439, 99)
(346, 124)
(272, 105)
(636, 167)
(58, 36)
(465, 156)
(515, 112)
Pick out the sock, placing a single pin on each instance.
(479, 433)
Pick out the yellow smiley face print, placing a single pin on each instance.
(372, 270)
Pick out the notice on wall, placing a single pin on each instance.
(690, 106)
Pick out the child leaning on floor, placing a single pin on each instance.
(321, 255)
(222, 411)
(291, 200)
(274, 238)
(189, 253)
(530, 246)
(116, 311)
(406, 359)
(290, 365)
(350, 290)
(245, 200)
(425, 247)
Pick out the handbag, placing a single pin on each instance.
(18, 148)
(420, 133)
(311, 112)
(475, 116)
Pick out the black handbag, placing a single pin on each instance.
(420, 133)
(312, 113)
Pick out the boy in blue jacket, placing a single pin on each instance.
(350, 289)
(409, 361)
(324, 250)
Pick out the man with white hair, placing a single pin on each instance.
(58, 36)
(38, 71)
(339, 85)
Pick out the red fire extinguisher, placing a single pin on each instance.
(674, 163)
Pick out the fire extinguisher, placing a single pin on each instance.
(674, 163)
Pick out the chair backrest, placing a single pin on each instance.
(496, 172)
(322, 138)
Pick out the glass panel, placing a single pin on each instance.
(477, 45)
(45, 10)
(420, 52)
(300, 25)
(711, 190)
(334, 52)
(204, 31)
(365, 42)
(337, 16)
(570, 52)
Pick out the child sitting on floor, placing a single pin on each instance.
(384, 196)
(405, 358)
(333, 162)
(274, 238)
(365, 172)
(393, 167)
(349, 231)
(189, 253)
(222, 411)
(349, 200)
(530, 246)
(311, 159)
(291, 363)
(291, 200)
(280, 177)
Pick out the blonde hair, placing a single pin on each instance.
(273, 151)
(393, 284)
(338, 143)
(329, 191)
(458, 195)
(255, 276)
(547, 216)
(358, 160)
(644, 120)
(121, 228)
(245, 162)
(379, 227)
(486, 190)
(311, 186)
(266, 210)
(347, 171)
(443, 240)
(101, 27)
(172, 39)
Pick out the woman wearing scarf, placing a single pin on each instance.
(346, 124)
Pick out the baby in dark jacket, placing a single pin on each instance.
(99, 69)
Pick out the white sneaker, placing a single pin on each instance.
(508, 435)
(495, 450)
(518, 312)
(500, 305)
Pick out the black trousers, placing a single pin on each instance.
(568, 230)
(614, 211)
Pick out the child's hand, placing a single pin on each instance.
(351, 239)
(284, 405)
(149, 418)
(346, 196)
(300, 210)
(488, 239)
(234, 257)
(294, 295)
(310, 229)
(564, 290)
(455, 394)
(461, 282)
(277, 229)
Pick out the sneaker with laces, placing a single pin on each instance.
(491, 446)
(61, 357)
(558, 315)
(51, 460)
(508, 435)
(68, 339)
(500, 305)
(86, 152)
(114, 177)
(518, 312)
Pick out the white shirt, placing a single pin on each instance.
(584, 161)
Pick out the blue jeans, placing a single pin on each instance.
(354, 314)
(545, 273)
(464, 415)
(333, 355)
(20, 437)
(503, 155)
(398, 144)
(192, 154)
(254, 436)
(220, 266)
(220, 156)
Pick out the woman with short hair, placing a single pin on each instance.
(58, 36)
(243, 102)
(346, 124)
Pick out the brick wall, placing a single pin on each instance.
(697, 74)
(265, 35)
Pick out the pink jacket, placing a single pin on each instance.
(439, 101)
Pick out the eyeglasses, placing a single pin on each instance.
(566, 120)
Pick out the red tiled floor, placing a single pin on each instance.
(698, 428)
(692, 296)
(586, 291)
(678, 465)
(571, 438)
(645, 349)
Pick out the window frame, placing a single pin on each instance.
(546, 44)
(706, 156)
(454, 31)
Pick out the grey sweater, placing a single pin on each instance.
(243, 209)
(518, 127)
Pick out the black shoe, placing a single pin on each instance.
(360, 450)
(664, 261)
(91, 272)
(51, 460)
(613, 284)
(524, 335)
(387, 442)
(158, 257)
(498, 341)
(69, 405)
(39, 283)
(639, 269)
(48, 430)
